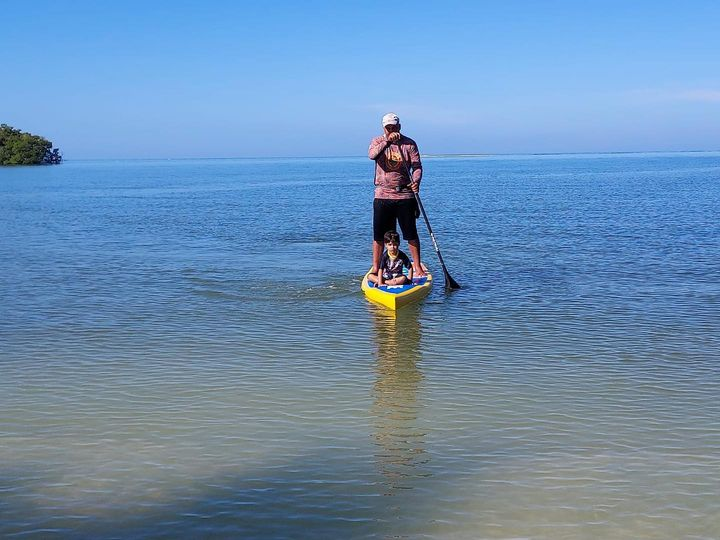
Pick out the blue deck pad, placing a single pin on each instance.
(397, 289)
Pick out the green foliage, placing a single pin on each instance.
(18, 148)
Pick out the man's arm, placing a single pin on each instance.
(416, 166)
(377, 146)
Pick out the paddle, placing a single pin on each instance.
(450, 283)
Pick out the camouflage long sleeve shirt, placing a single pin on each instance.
(392, 161)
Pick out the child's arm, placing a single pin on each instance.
(408, 265)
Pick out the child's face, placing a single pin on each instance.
(392, 247)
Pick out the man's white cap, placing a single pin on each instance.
(390, 119)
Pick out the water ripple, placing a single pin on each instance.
(179, 363)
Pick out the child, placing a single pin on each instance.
(391, 263)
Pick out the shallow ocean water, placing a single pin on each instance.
(185, 352)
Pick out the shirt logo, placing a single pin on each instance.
(393, 159)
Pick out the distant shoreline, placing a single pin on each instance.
(428, 156)
(619, 153)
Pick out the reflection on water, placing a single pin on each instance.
(401, 452)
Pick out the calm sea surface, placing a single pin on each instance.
(185, 352)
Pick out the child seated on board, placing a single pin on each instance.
(391, 263)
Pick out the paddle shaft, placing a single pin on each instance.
(450, 283)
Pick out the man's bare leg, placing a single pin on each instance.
(414, 246)
(377, 249)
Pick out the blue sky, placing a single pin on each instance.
(238, 79)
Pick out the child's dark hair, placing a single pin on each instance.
(392, 236)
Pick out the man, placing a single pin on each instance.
(396, 158)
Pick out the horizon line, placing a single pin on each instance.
(428, 155)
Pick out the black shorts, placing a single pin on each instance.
(388, 213)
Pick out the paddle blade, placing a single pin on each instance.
(450, 283)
